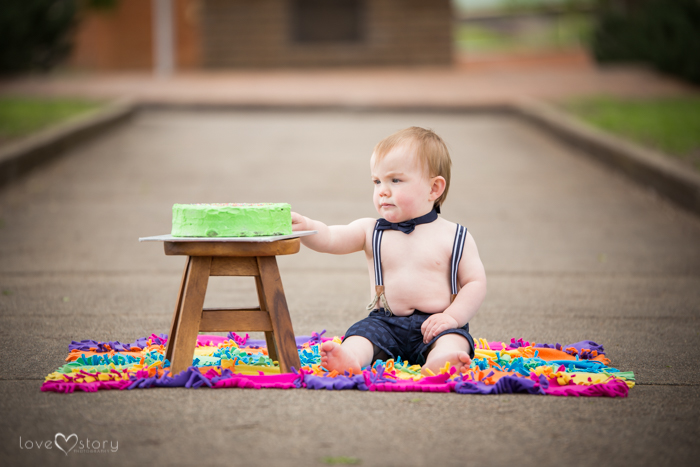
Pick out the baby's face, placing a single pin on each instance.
(401, 185)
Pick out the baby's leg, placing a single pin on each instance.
(355, 353)
(452, 348)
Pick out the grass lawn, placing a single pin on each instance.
(670, 124)
(20, 116)
(517, 35)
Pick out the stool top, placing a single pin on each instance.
(289, 246)
(231, 246)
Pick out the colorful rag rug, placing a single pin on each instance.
(579, 369)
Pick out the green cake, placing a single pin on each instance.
(231, 220)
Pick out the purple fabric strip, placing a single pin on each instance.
(505, 385)
(337, 383)
(139, 344)
(612, 388)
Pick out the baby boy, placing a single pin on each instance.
(427, 276)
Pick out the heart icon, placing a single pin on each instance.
(65, 440)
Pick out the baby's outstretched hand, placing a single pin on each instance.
(436, 324)
(299, 222)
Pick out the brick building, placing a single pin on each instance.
(219, 34)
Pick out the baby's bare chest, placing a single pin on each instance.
(418, 253)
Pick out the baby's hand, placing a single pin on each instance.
(299, 222)
(436, 324)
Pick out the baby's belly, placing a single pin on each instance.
(426, 294)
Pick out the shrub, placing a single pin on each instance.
(663, 33)
(35, 33)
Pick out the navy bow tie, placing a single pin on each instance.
(407, 226)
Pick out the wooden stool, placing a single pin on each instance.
(218, 258)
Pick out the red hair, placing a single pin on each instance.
(430, 149)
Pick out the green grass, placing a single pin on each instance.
(20, 116)
(670, 124)
(474, 38)
(564, 32)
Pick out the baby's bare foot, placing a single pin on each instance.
(334, 357)
(435, 362)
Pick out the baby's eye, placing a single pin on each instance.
(395, 180)
(376, 182)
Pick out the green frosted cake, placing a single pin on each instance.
(231, 220)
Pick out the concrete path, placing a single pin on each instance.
(572, 252)
(487, 83)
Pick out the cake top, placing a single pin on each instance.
(243, 205)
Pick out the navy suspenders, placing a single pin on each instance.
(377, 254)
(457, 250)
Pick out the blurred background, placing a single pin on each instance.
(168, 35)
(626, 66)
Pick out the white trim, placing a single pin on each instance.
(163, 38)
(273, 238)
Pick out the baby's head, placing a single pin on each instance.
(420, 151)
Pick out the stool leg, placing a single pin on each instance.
(176, 313)
(271, 346)
(190, 314)
(276, 304)
(269, 336)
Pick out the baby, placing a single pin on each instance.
(428, 278)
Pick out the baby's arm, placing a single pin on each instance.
(336, 239)
(472, 279)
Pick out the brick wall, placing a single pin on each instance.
(122, 38)
(259, 33)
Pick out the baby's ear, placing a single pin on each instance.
(437, 187)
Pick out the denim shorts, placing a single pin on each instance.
(401, 335)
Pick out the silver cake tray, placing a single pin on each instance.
(272, 238)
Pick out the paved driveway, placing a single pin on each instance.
(572, 252)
